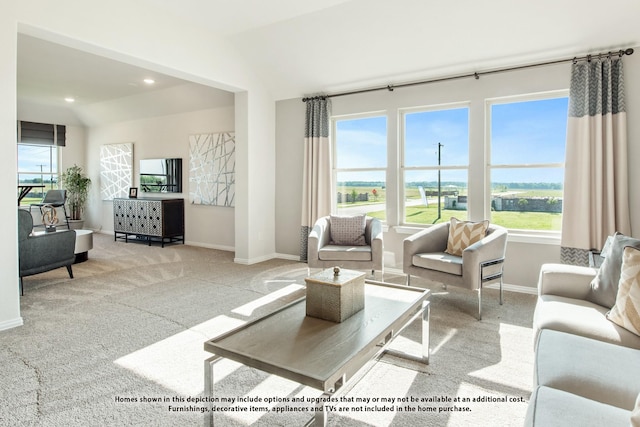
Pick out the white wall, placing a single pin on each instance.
(524, 254)
(9, 293)
(75, 150)
(160, 42)
(160, 137)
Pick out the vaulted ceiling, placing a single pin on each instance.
(308, 46)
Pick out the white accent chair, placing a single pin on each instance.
(424, 256)
(322, 254)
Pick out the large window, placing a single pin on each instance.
(360, 164)
(37, 165)
(435, 164)
(527, 147)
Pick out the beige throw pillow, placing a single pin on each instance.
(626, 311)
(463, 234)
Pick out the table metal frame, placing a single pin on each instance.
(349, 372)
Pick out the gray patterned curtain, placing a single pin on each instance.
(596, 194)
(316, 185)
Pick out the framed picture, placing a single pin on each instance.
(133, 192)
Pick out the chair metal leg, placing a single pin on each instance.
(480, 302)
(501, 290)
(70, 271)
(21, 287)
(66, 217)
(408, 280)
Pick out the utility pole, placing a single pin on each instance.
(41, 174)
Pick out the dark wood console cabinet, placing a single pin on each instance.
(149, 220)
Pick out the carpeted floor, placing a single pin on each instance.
(122, 344)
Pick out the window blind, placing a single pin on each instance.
(41, 134)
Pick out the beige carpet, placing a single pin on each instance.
(122, 344)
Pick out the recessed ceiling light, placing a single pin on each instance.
(69, 99)
(149, 81)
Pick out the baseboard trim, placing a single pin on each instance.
(251, 261)
(505, 286)
(12, 323)
(210, 246)
(288, 257)
(514, 288)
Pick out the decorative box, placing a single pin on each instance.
(335, 294)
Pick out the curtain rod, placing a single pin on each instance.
(475, 75)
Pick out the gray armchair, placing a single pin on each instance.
(424, 256)
(43, 252)
(322, 254)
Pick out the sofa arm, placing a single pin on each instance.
(318, 237)
(375, 234)
(563, 280)
(47, 249)
(490, 248)
(375, 239)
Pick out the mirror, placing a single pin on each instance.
(161, 175)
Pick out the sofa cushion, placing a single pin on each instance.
(439, 261)
(345, 253)
(597, 370)
(549, 407)
(463, 234)
(580, 317)
(604, 287)
(635, 414)
(626, 311)
(348, 230)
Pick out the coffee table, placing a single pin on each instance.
(320, 353)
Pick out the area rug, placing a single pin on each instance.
(121, 344)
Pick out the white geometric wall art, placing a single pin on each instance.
(212, 165)
(116, 170)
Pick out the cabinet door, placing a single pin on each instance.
(119, 216)
(139, 210)
(154, 218)
(129, 216)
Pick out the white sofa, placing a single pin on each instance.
(587, 369)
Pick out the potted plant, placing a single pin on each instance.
(77, 186)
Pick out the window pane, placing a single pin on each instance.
(531, 132)
(35, 158)
(423, 209)
(38, 165)
(361, 143)
(424, 130)
(361, 192)
(527, 198)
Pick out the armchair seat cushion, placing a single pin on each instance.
(345, 253)
(439, 261)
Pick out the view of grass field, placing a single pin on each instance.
(421, 214)
(36, 194)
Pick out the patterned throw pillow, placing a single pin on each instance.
(463, 234)
(348, 230)
(626, 311)
(604, 287)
